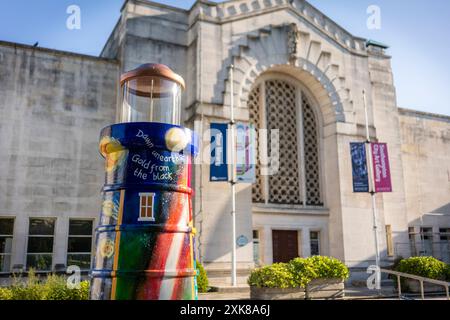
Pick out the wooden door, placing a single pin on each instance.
(285, 245)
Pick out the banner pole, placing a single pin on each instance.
(233, 181)
(373, 191)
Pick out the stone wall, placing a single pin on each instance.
(53, 105)
(154, 33)
(425, 146)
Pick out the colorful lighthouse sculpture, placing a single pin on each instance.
(144, 241)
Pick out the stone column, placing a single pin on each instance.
(20, 240)
(60, 241)
(267, 245)
(306, 248)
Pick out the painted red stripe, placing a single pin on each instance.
(152, 286)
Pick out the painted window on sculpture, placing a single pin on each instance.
(146, 212)
(277, 104)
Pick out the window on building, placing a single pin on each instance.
(314, 240)
(40, 244)
(79, 244)
(277, 104)
(426, 235)
(6, 239)
(146, 207)
(256, 255)
(444, 235)
(412, 241)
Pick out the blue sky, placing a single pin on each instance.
(417, 32)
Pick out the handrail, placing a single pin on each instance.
(420, 279)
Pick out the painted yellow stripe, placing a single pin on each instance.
(116, 246)
(191, 240)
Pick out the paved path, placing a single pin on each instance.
(224, 296)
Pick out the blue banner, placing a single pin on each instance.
(218, 167)
(359, 167)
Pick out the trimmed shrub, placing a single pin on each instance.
(55, 288)
(329, 268)
(447, 273)
(202, 278)
(32, 289)
(427, 267)
(298, 273)
(5, 294)
(303, 271)
(52, 288)
(317, 267)
(278, 275)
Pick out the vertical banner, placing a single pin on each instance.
(245, 154)
(359, 167)
(218, 165)
(381, 168)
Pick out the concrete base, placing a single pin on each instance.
(219, 276)
(277, 294)
(413, 286)
(231, 289)
(328, 289)
(319, 289)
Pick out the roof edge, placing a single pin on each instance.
(424, 114)
(55, 51)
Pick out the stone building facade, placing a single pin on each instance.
(294, 70)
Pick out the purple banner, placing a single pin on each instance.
(381, 169)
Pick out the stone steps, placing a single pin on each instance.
(222, 277)
(230, 289)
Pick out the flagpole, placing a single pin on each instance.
(373, 191)
(233, 181)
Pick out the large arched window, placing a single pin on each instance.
(277, 103)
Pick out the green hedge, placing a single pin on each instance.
(6, 294)
(278, 275)
(447, 272)
(55, 288)
(298, 272)
(202, 278)
(52, 288)
(427, 267)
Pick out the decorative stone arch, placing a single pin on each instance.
(271, 50)
(313, 81)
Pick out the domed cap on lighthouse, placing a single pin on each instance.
(151, 93)
(143, 75)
